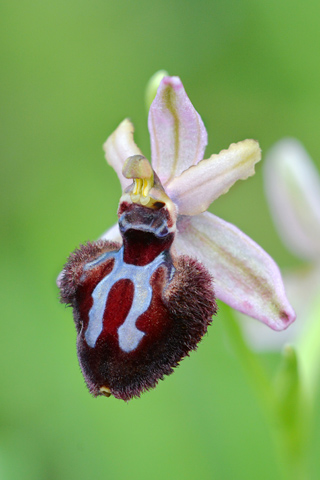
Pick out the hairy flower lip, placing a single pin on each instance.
(135, 321)
(178, 140)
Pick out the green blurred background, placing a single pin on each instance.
(71, 71)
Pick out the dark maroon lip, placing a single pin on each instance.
(172, 324)
(138, 310)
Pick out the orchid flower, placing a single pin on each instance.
(292, 186)
(144, 294)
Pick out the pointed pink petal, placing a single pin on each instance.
(113, 234)
(118, 147)
(293, 188)
(177, 133)
(196, 188)
(245, 276)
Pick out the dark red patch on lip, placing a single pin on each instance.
(117, 308)
(72, 284)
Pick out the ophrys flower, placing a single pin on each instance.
(142, 303)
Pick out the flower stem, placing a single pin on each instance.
(255, 372)
(282, 401)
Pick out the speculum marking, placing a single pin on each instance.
(129, 335)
